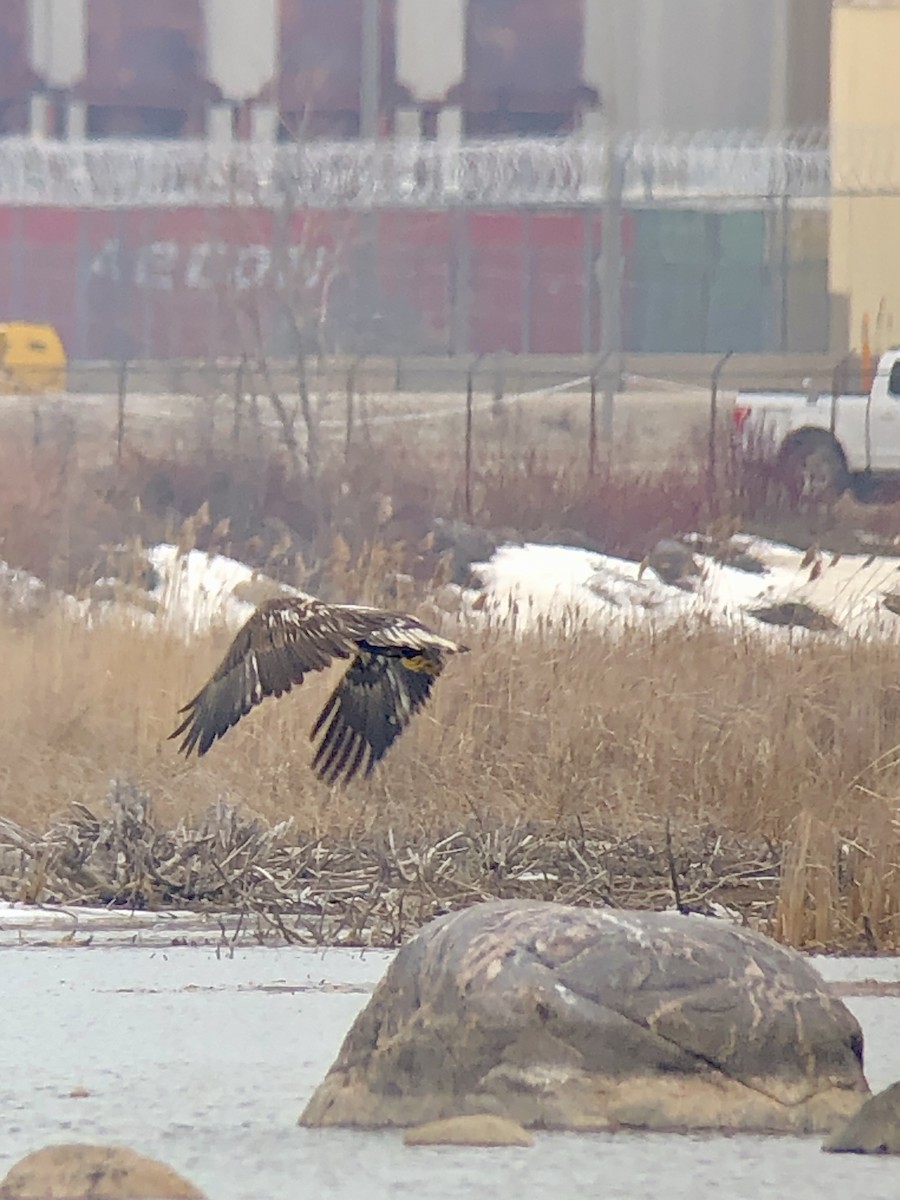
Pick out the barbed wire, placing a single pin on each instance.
(424, 174)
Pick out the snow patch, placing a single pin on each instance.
(197, 591)
(525, 586)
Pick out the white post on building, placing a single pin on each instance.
(241, 58)
(58, 54)
(431, 59)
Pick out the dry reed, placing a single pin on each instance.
(687, 766)
(719, 739)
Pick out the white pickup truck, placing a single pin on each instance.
(826, 444)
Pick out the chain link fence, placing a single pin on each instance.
(333, 405)
(411, 173)
(173, 250)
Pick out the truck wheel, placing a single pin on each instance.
(814, 471)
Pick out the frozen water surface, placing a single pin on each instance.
(204, 1057)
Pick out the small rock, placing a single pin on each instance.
(874, 1130)
(729, 550)
(467, 544)
(83, 1172)
(478, 1129)
(795, 614)
(741, 560)
(674, 564)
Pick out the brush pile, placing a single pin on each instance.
(374, 891)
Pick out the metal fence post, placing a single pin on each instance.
(592, 416)
(468, 467)
(592, 429)
(239, 387)
(711, 464)
(784, 328)
(350, 406)
(120, 409)
(527, 276)
(499, 388)
(611, 276)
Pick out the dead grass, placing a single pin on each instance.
(64, 498)
(691, 729)
(270, 880)
(695, 744)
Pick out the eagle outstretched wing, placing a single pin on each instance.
(395, 660)
(370, 708)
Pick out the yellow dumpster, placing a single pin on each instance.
(32, 359)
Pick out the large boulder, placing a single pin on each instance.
(571, 1018)
(76, 1171)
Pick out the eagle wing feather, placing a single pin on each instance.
(395, 660)
(369, 709)
(282, 642)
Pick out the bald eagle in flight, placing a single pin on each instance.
(394, 661)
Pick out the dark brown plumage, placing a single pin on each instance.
(395, 660)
